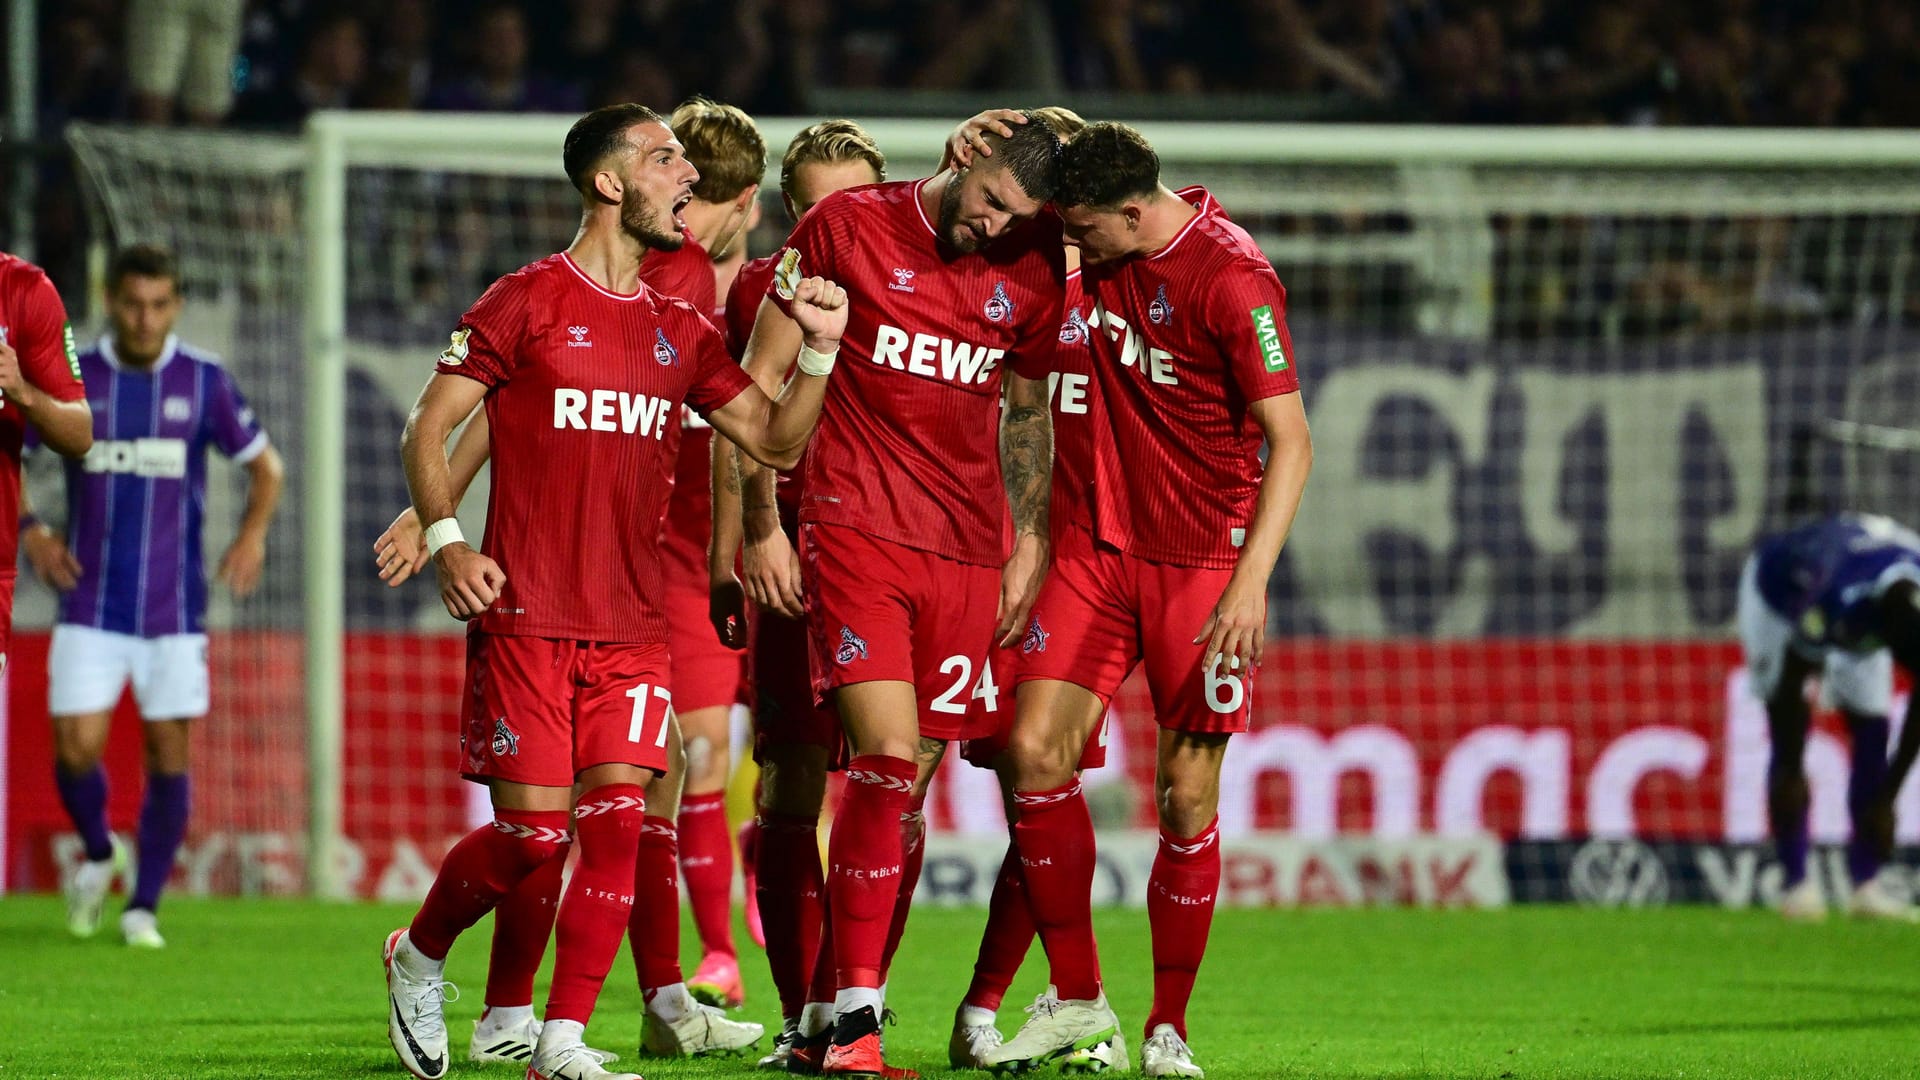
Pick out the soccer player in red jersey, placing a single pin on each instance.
(903, 513)
(723, 144)
(795, 739)
(568, 679)
(41, 387)
(1195, 371)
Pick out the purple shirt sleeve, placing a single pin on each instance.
(231, 425)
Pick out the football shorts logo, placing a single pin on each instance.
(786, 276)
(1036, 639)
(456, 350)
(1074, 330)
(902, 280)
(852, 647)
(505, 742)
(999, 306)
(176, 409)
(578, 337)
(664, 353)
(1161, 310)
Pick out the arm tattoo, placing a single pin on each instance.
(1026, 460)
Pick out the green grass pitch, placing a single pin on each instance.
(289, 989)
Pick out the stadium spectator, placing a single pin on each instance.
(180, 58)
(402, 69)
(333, 63)
(500, 79)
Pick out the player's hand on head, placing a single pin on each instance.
(1020, 582)
(52, 561)
(773, 573)
(820, 307)
(401, 551)
(968, 139)
(727, 610)
(241, 566)
(469, 581)
(1236, 631)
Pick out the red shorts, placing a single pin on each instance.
(1101, 612)
(540, 710)
(982, 750)
(785, 710)
(877, 610)
(7, 579)
(706, 674)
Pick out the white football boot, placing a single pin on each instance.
(509, 1035)
(1875, 899)
(1803, 902)
(776, 1060)
(86, 889)
(973, 1037)
(561, 1055)
(1165, 1053)
(140, 929)
(1054, 1030)
(416, 1007)
(700, 1031)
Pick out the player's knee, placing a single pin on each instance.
(1039, 758)
(1187, 804)
(793, 781)
(73, 752)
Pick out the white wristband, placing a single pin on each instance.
(443, 532)
(816, 363)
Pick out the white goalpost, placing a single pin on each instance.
(1557, 380)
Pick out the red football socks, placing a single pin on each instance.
(706, 860)
(865, 863)
(791, 887)
(653, 927)
(483, 867)
(913, 849)
(1004, 943)
(593, 914)
(1180, 899)
(1054, 836)
(522, 925)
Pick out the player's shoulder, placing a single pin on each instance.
(546, 272)
(865, 199)
(1220, 240)
(20, 278)
(197, 356)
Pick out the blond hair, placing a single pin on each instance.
(830, 142)
(723, 143)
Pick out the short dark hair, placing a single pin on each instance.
(598, 135)
(1031, 153)
(142, 260)
(723, 143)
(1105, 165)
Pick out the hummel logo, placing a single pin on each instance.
(902, 280)
(579, 336)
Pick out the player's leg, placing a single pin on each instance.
(515, 737)
(1862, 687)
(793, 784)
(508, 1027)
(1777, 676)
(170, 684)
(86, 671)
(706, 849)
(1003, 942)
(1181, 889)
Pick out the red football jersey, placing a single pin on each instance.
(687, 274)
(743, 307)
(908, 444)
(34, 322)
(1076, 412)
(1184, 340)
(584, 394)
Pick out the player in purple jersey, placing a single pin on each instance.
(1840, 598)
(129, 568)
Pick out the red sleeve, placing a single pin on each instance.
(809, 252)
(1032, 356)
(717, 378)
(486, 344)
(743, 306)
(45, 343)
(1247, 318)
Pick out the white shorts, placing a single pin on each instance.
(87, 669)
(1857, 682)
(184, 49)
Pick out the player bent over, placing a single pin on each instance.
(907, 578)
(795, 739)
(568, 681)
(1195, 371)
(134, 588)
(1839, 598)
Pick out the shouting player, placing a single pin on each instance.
(1195, 370)
(583, 370)
(723, 144)
(903, 512)
(135, 588)
(795, 739)
(1839, 598)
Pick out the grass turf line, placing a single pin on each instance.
(291, 989)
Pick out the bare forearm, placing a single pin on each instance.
(266, 475)
(429, 477)
(66, 427)
(1281, 485)
(1026, 465)
(723, 543)
(470, 451)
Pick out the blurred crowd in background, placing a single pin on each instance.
(269, 62)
